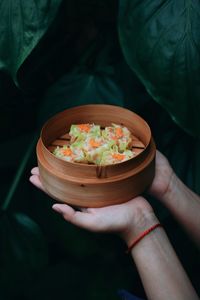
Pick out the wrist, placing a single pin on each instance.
(163, 181)
(168, 195)
(144, 220)
(142, 236)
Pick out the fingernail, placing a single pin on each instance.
(31, 178)
(57, 209)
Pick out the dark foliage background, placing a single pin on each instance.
(59, 54)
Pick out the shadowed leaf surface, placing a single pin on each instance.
(22, 25)
(161, 43)
(23, 252)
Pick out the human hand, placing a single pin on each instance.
(127, 219)
(164, 176)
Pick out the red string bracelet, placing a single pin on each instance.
(143, 234)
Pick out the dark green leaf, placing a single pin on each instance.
(23, 23)
(180, 148)
(79, 89)
(161, 43)
(23, 251)
(79, 34)
(100, 76)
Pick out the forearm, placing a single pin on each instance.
(185, 206)
(162, 275)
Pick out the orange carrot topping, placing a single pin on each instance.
(84, 127)
(118, 156)
(94, 143)
(119, 132)
(114, 137)
(67, 152)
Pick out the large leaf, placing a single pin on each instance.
(161, 43)
(93, 80)
(23, 23)
(79, 89)
(101, 75)
(23, 252)
(80, 27)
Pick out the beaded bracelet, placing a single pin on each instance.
(143, 234)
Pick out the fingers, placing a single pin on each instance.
(35, 171)
(35, 180)
(79, 218)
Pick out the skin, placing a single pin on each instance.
(162, 274)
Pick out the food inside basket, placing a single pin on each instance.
(91, 144)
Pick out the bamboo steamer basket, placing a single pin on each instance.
(87, 185)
